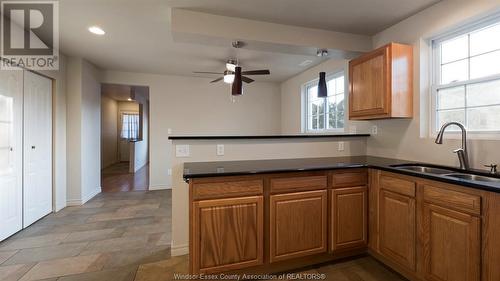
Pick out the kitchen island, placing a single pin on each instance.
(265, 216)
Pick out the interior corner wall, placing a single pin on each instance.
(191, 105)
(109, 132)
(411, 139)
(83, 131)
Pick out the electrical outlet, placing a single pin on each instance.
(169, 172)
(182, 150)
(352, 129)
(169, 131)
(220, 150)
(341, 146)
(374, 129)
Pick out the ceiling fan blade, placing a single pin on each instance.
(256, 72)
(217, 80)
(247, 79)
(207, 72)
(237, 87)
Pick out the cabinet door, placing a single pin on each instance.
(298, 224)
(369, 85)
(451, 245)
(37, 147)
(349, 218)
(11, 185)
(397, 228)
(227, 234)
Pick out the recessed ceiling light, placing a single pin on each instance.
(97, 30)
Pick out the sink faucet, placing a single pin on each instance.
(463, 157)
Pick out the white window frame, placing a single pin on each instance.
(436, 78)
(305, 106)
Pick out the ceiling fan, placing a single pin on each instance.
(234, 74)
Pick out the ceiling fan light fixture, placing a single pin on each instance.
(228, 77)
(231, 65)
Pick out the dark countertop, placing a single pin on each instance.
(259, 137)
(250, 167)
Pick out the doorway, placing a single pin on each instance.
(124, 138)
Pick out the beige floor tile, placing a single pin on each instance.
(33, 242)
(137, 257)
(6, 255)
(90, 235)
(14, 272)
(117, 274)
(62, 267)
(163, 270)
(115, 244)
(46, 253)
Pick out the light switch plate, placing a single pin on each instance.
(182, 150)
(220, 150)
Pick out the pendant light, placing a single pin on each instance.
(322, 89)
(237, 87)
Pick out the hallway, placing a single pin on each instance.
(117, 178)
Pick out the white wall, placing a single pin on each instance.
(201, 151)
(84, 129)
(410, 139)
(109, 132)
(292, 100)
(190, 105)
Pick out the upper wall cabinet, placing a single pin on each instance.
(381, 83)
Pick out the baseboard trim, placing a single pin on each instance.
(180, 250)
(159, 187)
(91, 195)
(79, 202)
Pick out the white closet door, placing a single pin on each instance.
(37, 191)
(11, 157)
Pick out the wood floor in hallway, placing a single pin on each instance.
(117, 178)
(124, 236)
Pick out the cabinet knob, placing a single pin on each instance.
(33, 147)
(11, 148)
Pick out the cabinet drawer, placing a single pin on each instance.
(452, 199)
(227, 189)
(349, 179)
(298, 183)
(397, 185)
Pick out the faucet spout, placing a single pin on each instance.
(462, 154)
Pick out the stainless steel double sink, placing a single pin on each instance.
(427, 169)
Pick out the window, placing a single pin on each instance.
(130, 126)
(325, 114)
(466, 82)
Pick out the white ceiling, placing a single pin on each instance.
(353, 16)
(138, 37)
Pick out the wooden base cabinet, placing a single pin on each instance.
(298, 224)
(397, 226)
(228, 234)
(349, 218)
(397, 221)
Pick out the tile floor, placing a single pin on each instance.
(123, 236)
